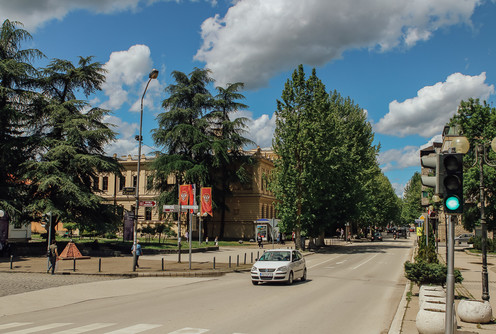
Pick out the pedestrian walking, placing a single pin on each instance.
(259, 241)
(216, 241)
(53, 255)
(138, 252)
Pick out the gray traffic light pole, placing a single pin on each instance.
(450, 278)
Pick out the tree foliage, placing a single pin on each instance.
(201, 142)
(412, 207)
(51, 142)
(477, 122)
(326, 173)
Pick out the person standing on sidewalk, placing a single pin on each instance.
(138, 252)
(53, 255)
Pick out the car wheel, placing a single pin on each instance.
(304, 277)
(290, 279)
(254, 282)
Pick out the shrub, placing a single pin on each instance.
(477, 241)
(429, 273)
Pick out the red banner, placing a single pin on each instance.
(206, 201)
(185, 194)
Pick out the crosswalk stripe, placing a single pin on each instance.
(189, 330)
(40, 328)
(134, 329)
(14, 324)
(84, 329)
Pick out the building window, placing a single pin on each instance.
(148, 213)
(96, 181)
(149, 182)
(135, 180)
(105, 183)
(122, 183)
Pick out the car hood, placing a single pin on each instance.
(271, 264)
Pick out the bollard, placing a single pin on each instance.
(214, 262)
(74, 264)
(251, 257)
(163, 265)
(237, 260)
(245, 259)
(258, 255)
(100, 265)
(229, 261)
(11, 261)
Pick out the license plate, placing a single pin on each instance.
(266, 275)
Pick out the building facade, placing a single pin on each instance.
(247, 204)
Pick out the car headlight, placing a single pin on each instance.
(254, 268)
(282, 269)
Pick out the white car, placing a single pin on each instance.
(279, 265)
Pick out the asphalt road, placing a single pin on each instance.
(354, 290)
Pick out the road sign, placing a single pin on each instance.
(419, 231)
(147, 203)
(171, 208)
(189, 207)
(128, 190)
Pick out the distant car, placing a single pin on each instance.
(377, 236)
(279, 265)
(463, 238)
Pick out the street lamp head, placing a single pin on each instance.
(461, 144)
(493, 144)
(153, 74)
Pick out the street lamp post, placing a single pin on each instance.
(481, 158)
(153, 75)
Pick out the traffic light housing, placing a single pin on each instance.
(451, 171)
(433, 162)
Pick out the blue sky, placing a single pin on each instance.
(408, 63)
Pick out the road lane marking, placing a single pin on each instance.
(361, 264)
(14, 324)
(87, 328)
(40, 328)
(134, 329)
(318, 264)
(189, 330)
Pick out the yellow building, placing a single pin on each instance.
(247, 204)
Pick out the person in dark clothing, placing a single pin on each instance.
(53, 255)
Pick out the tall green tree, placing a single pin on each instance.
(412, 205)
(18, 111)
(228, 162)
(201, 141)
(182, 133)
(324, 145)
(477, 122)
(63, 176)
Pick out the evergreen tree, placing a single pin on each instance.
(18, 107)
(63, 176)
(228, 162)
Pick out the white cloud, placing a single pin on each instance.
(258, 39)
(127, 77)
(260, 130)
(399, 158)
(35, 13)
(428, 112)
(408, 156)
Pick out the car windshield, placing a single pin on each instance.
(276, 256)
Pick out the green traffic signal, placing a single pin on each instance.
(452, 203)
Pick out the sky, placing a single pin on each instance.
(407, 63)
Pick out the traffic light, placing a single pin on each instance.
(451, 171)
(433, 162)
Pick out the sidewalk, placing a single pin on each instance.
(202, 264)
(471, 288)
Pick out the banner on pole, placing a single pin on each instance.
(184, 194)
(206, 201)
